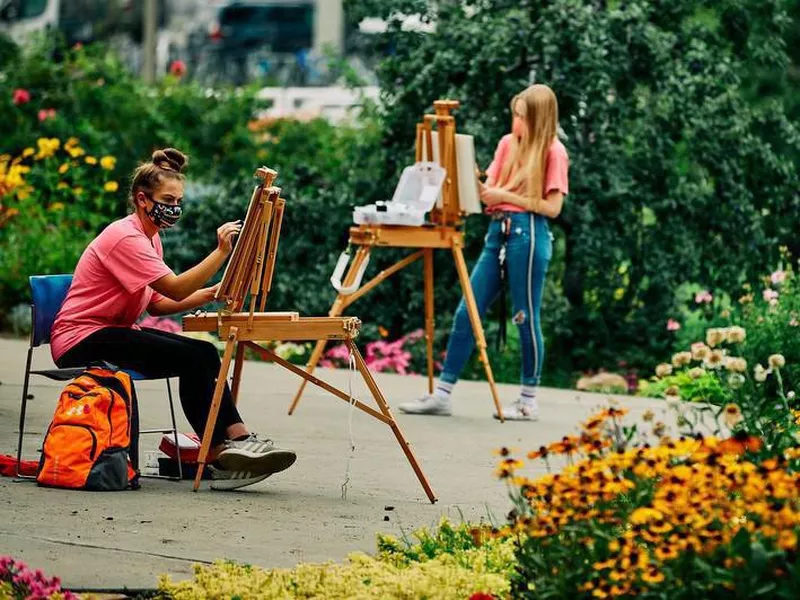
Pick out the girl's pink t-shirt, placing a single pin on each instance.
(555, 176)
(110, 287)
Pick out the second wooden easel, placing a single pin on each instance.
(444, 232)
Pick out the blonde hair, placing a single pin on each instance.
(164, 164)
(524, 171)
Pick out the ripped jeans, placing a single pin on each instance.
(528, 252)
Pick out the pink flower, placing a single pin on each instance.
(47, 113)
(703, 297)
(20, 96)
(177, 68)
(77, 46)
(160, 324)
(770, 294)
(778, 277)
(673, 325)
(793, 323)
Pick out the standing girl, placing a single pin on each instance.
(526, 185)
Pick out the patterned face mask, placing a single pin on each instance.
(163, 215)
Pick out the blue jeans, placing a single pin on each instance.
(528, 252)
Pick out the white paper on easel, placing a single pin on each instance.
(469, 196)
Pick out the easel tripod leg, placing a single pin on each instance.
(384, 406)
(477, 327)
(336, 309)
(211, 422)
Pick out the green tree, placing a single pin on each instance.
(675, 175)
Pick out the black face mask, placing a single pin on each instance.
(163, 215)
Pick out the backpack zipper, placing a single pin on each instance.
(86, 427)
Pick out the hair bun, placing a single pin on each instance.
(170, 159)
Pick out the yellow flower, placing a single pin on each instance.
(63, 168)
(62, 185)
(681, 358)
(56, 206)
(73, 141)
(91, 160)
(77, 190)
(108, 162)
(697, 372)
(715, 359)
(777, 361)
(28, 152)
(653, 576)
(735, 335)
(47, 147)
(787, 540)
(75, 151)
(644, 514)
(111, 186)
(700, 351)
(663, 370)
(714, 337)
(732, 415)
(736, 365)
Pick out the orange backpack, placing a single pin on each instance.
(89, 444)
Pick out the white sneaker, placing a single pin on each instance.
(428, 405)
(520, 411)
(254, 456)
(224, 480)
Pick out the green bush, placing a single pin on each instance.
(675, 174)
(58, 196)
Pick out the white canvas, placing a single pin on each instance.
(468, 190)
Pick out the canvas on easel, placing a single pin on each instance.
(250, 272)
(435, 137)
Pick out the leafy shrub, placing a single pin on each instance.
(690, 517)
(442, 565)
(54, 198)
(670, 157)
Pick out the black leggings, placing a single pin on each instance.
(157, 354)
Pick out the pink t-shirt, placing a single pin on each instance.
(555, 176)
(110, 287)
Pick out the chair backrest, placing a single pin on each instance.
(48, 292)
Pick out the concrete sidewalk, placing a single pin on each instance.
(95, 540)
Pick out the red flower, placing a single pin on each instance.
(47, 113)
(21, 96)
(482, 596)
(177, 68)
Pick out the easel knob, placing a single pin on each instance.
(443, 107)
(267, 175)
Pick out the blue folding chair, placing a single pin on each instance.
(48, 293)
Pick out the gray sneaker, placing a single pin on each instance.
(255, 457)
(428, 405)
(222, 479)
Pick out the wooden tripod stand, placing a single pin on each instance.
(250, 271)
(445, 232)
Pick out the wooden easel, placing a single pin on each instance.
(250, 271)
(445, 232)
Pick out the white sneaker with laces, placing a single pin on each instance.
(428, 405)
(520, 411)
(224, 480)
(255, 457)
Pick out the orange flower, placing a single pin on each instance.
(740, 443)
